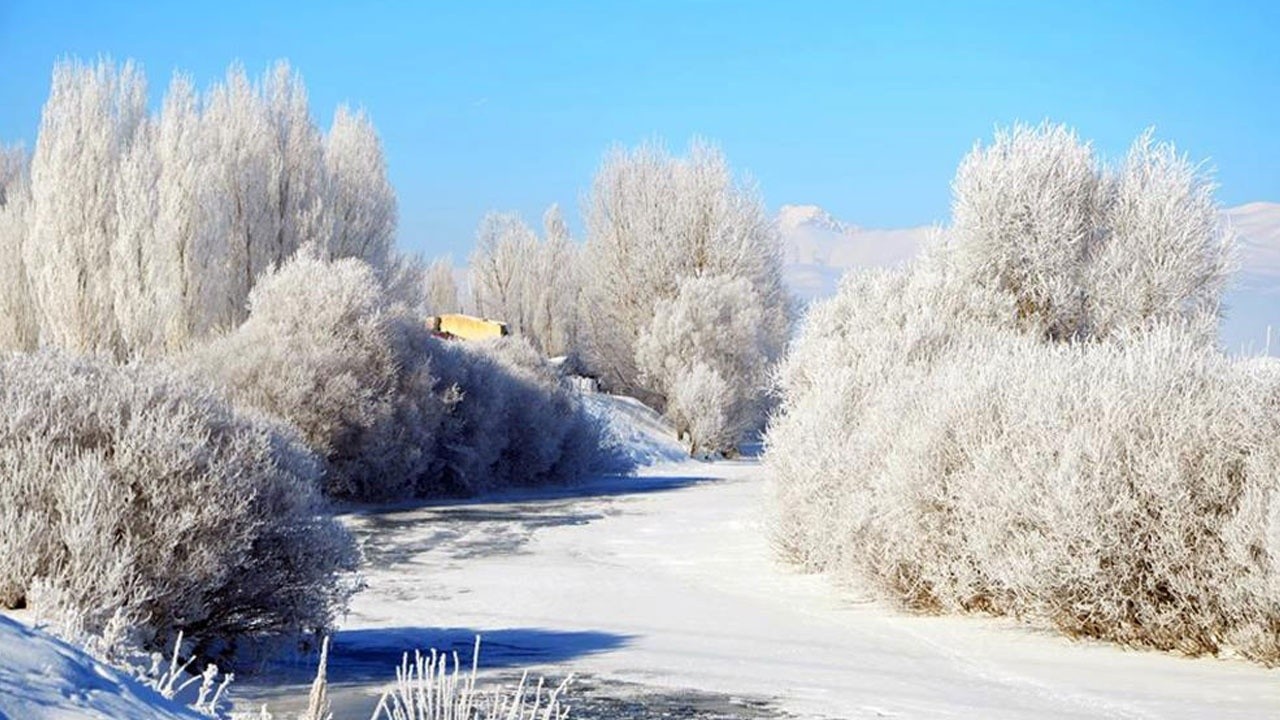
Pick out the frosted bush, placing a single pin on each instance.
(512, 421)
(322, 350)
(1003, 427)
(395, 412)
(707, 353)
(128, 496)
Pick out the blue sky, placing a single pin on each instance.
(863, 108)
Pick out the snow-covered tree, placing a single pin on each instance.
(88, 125)
(17, 319)
(1032, 418)
(653, 221)
(142, 232)
(712, 335)
(135, 272)
(360, 201)
(556, 289)
(530, 283)
(500, 268)
(191, 242)
(1167, 254)
(1083, 249)
(441, 288)
(13, 168)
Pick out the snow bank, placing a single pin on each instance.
(42, 678)
(642, 435)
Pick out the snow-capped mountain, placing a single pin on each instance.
(818, 249)
(1257, 227)
(1252, 321)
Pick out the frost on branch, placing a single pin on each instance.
(126, 492)
(1033, 418)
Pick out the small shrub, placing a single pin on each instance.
(511, 420)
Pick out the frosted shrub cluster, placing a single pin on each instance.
(395, 412)
(1033, 418)
(512, 420)
(134, 232)
(666, 235)
(703, 350)
(322, 350)
(132, 499)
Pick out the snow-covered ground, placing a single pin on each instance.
(661, 590)
(42, 678)
(667, 581)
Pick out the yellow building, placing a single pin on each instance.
(467, 327)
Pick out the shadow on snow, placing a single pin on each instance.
(606, 486)
(374, 653)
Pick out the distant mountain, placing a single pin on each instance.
(818, 249)
(1253, 298)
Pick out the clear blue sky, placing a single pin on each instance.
(864, 108)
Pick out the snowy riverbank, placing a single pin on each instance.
(666, 580)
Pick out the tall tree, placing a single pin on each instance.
(17, 321)
(87, 127)
(653, 221)
(360, 202)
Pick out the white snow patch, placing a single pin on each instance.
(644, 436)
(43, 678)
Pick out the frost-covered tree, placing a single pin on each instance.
(88, 126)
(1167, 254)
(17, 319)
(13, 168)
(246, 172)
(500, 268)
(1032, 419)
(711, 336)
(1083, 249)
(135, 272)
(191, 238)
(297, 179)
(141, 232)
(653, 221)
(530, 283)
(360, 200)
(556, 288)
(441, 288)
